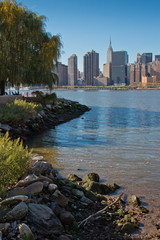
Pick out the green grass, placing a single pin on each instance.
(17, 111)
(14, 160)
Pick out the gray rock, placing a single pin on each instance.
(27, 180)
(14, 200)
(36, 157)
(14, 225)
(43, 219)
(129, 228)
(15, 192)
(34, 188)
(134, 200)
(41, 167)
(0, 235)
(17, 213)
(86, 200)
(91, 177)
(74, 178)
(59, 198)
(77, 193)
(52, 187)
(63, 237)
(25, 232)
(96, 187)
(56, 208)
(66, 217)
(4, 226)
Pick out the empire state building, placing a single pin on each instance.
(109, 53)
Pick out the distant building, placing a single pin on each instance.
(72, 70)
(90, 67)
(128, 73)
(109, 53)
(137, 71)
(119, 67)
(101, 81)
(154, 69)
(146, 81)
(146, 58)
(62, 72)
(157, 57)
(107, 70)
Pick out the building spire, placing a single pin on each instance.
(110, 46)
(109, 52)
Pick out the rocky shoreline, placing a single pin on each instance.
(45, 206)
(51, 115)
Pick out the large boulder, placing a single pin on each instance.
(13, 200)
(32, 178)
(59, 198)
(66, 218)
(134, 200)
(17, 213)
(34, 188)
(40, 167)
(112, 186)
(128, 227)
(77, 193)
(25, 232)
(73, 178)
(52, 187)
(91, 177)
(96, 187)
(43, 219)
(15, 192)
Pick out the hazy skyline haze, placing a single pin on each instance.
(85, 25)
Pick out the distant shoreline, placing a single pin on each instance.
(104, 88)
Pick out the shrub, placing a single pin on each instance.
(18, 110)
(14, 160)
(45, 99)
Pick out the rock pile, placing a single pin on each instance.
(51, 115)
(44, 206)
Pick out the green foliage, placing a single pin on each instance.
(45, 99)
(14, 160)
(17, 111)
(28, 53)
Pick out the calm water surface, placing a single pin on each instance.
(119, 139)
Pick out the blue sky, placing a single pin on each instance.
(133, 25)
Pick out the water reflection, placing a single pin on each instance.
(102, 127)
(118, 138)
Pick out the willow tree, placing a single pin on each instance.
(27, 52)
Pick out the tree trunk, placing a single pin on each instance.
(2, 87)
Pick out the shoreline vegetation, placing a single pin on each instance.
(28, 116)
(39, 203)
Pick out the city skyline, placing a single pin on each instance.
(133, 26)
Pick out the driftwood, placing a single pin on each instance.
(99, 212)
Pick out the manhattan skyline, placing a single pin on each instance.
(133, 26)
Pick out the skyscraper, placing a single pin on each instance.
(90, 66)
(146, 58)
(109, 53)
(119, 67)
(72, 70)
(107, 67)
(62, 72)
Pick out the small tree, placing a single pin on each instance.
(27, 52)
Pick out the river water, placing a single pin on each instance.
(119, 138)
